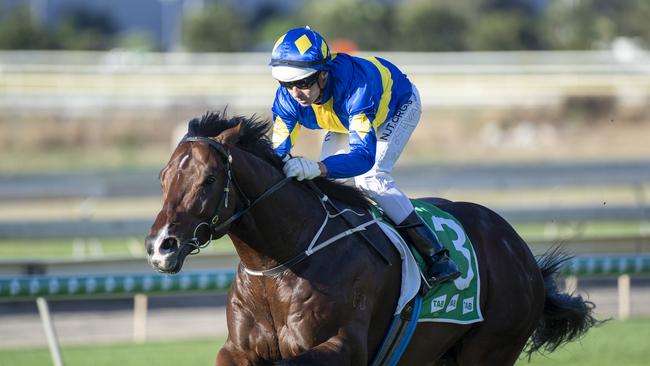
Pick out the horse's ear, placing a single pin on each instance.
(230, 136)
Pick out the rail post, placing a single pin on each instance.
(624, 297)
(140, 318)
(50, 332)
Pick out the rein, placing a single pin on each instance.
(213, 225)
(313, 248)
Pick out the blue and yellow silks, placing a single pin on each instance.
(361, 93)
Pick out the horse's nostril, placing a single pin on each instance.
(169, 245)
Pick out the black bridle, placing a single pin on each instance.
(214, 224)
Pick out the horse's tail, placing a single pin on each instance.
(566, 317)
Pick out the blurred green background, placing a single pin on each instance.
(406, 25)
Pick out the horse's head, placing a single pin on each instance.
(207, 183)
(196, 199)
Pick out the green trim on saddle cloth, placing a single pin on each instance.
(457, 301)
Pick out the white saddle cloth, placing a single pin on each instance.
(410, 272)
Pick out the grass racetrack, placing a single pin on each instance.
(186, 353)
(614, 343)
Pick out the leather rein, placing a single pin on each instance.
(214, 224)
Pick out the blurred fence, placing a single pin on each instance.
(140, 183)
(110, 285)
(85, 81)
(81, 228)
(96, 285)
(634, 176)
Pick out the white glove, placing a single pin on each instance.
(301, 168)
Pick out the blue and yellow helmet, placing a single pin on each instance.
(299, 53)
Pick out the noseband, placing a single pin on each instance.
(214, 224)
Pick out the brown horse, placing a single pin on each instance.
(334, 307)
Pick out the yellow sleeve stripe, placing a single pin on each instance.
(281, 132)
(294, 134)
(387, 83)
(360, 124)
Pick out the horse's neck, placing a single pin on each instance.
(279, 226)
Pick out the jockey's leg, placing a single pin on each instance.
(392, 137)
(398, 208)
(441, 267)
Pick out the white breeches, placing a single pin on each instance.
(392, 137)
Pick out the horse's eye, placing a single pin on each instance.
(209, 180)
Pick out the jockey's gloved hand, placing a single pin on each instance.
(301, 168)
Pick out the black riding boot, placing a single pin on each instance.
(440, 267)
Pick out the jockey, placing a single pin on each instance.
(369, 108)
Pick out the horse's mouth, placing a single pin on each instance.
(174, 268)
(173, 262)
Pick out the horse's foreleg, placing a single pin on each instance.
(230, 355)
(339, 350)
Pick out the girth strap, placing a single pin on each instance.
(399, 334)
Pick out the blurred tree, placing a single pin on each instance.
(527, 7)
(630, 18)
(368, 23)
(406, 25)
(137, 41)
(272, 28)
(565, 28)
(85, 29)
(575, 26)
(427, 26)
(217, 28)
(504, 31)
(19, 30)
(589, 24)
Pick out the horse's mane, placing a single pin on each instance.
(254, 138)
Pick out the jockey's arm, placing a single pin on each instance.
(285, 124)
(361, 158)
(361, 110)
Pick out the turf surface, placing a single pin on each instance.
(614, 343)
